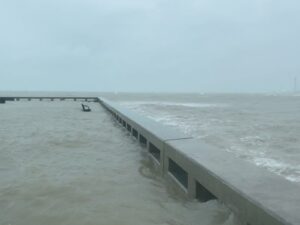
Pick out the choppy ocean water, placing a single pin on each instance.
(260, 128)
(59, 165)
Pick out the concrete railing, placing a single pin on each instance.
(255, 195)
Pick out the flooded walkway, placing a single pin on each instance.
(59, 165)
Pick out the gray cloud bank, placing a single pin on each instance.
(149, 45)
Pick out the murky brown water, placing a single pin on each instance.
(59, 165)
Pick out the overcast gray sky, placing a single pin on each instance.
(149, 45)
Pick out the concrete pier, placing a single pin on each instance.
(152, 135)
(255, 195)
(51, 98)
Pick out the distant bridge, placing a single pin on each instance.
(49, 98)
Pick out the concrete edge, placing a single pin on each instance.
(247, 208)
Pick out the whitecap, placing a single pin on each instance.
(168, 103)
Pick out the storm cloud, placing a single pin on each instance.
(149, 45)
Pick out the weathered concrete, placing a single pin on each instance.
(155, 134)
(257, 196)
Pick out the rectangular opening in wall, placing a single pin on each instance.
(154, 151)
(128, 127)
(180, 174)
(134, 133)
(120, 120)
(202, 194)
(124, 123)
(143, 140)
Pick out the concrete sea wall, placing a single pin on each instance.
(200, 171)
